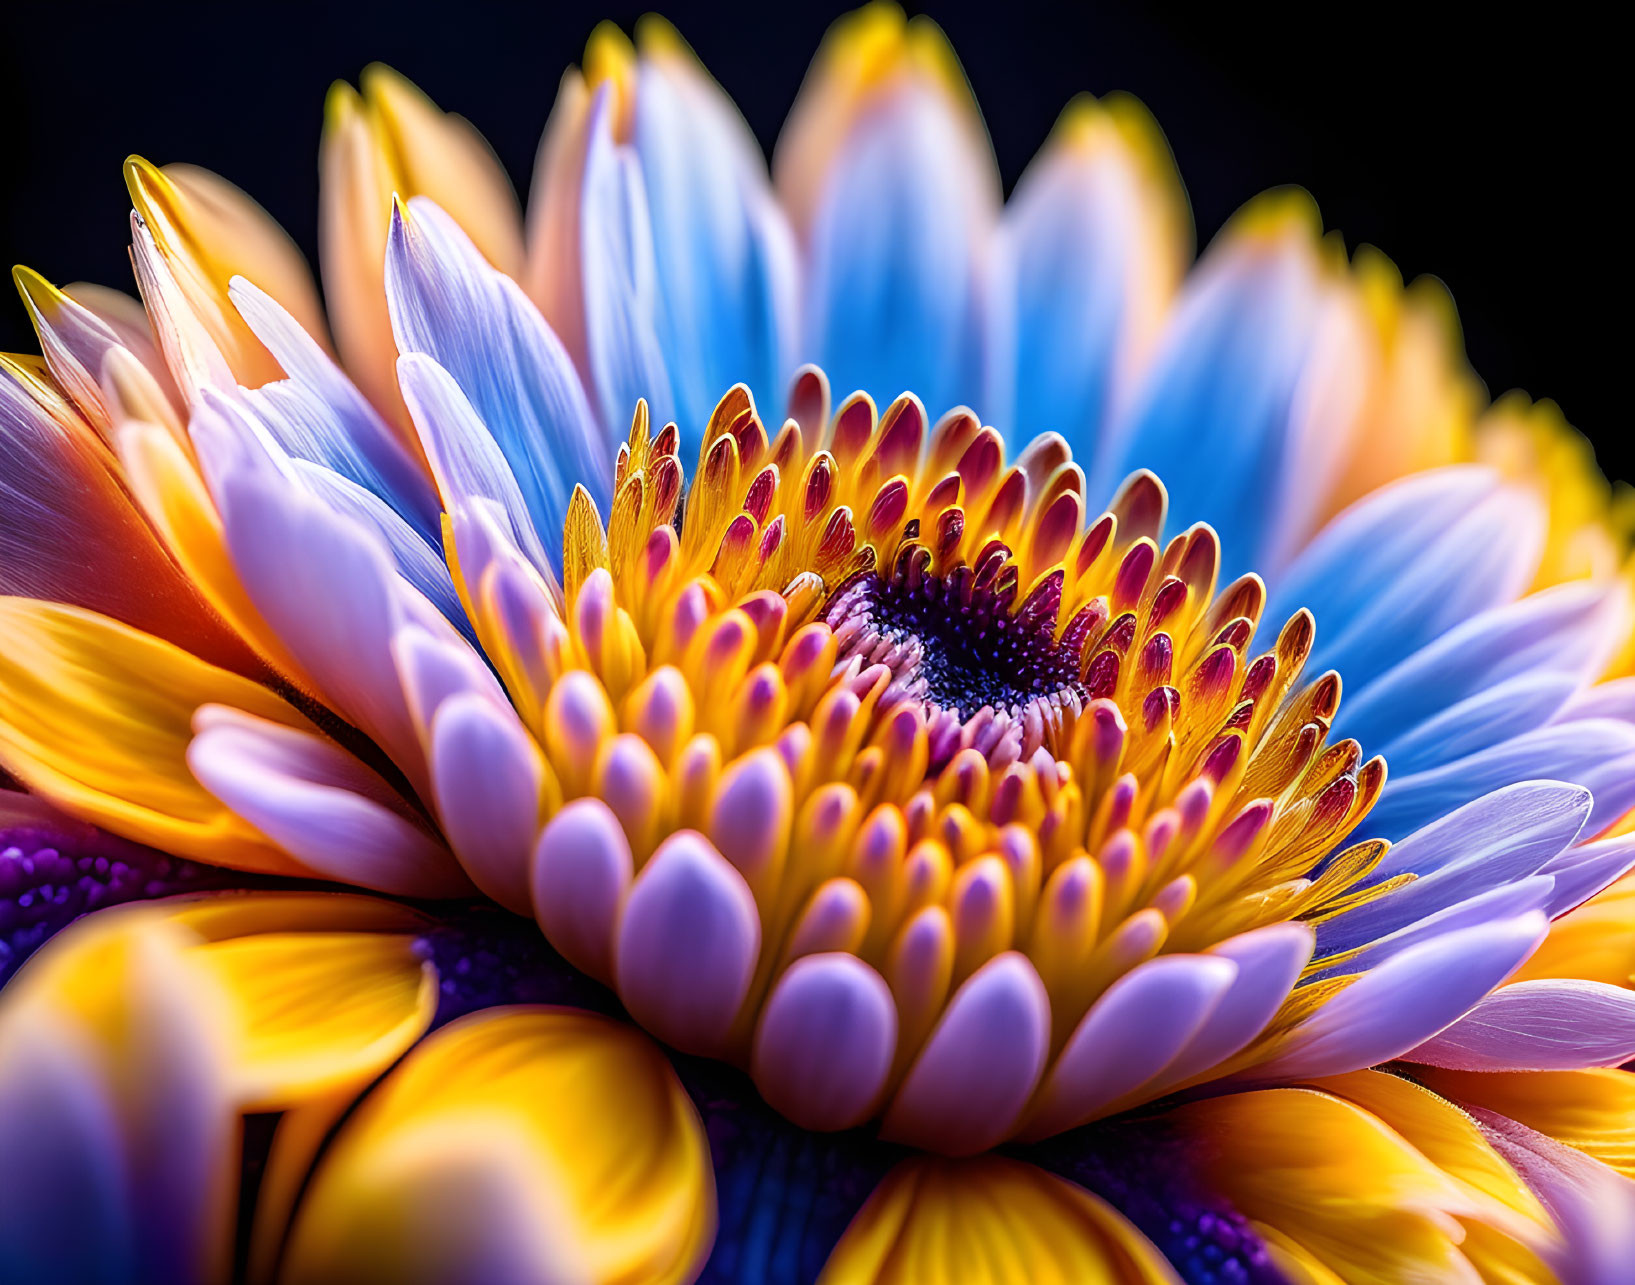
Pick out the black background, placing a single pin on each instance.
(1486, 152)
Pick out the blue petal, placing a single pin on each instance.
(621, 285)
(893, 271)
(1217, 415)
(1570, 630)
(1598, 754)
(1499, 839)
(1492, 715)
(1404, 565)
(448, 303)
(1071, 261)
(723, 251)
(318, 414)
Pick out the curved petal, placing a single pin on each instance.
(990, 1220)
(1539, 1026)
(524, 1143)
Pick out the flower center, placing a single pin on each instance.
(989, 674)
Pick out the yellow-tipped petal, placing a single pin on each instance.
(985, 1222)
(120, 1022)
(69, 531)
(1592, 521)
(864, 56)
(97, 717)
(1422, 399)
(1593, 1110)
(208, 232)
(1343, 1188)
(388, 140)
(535, 1143)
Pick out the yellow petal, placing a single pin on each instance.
(393, 140)
(1595, 942)
(97, 716)
(988, 1221)
(1422, 399)
(208, 232)
(321, 1010)
(527, 1143)
(1335, 1181)
(1593, 1110)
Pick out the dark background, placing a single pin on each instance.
(1484, 153)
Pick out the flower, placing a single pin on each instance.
(844, 841)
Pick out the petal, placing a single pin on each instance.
(825, 1041)
(70, 532)
(530, 1143)
(582, 870)
(97, 717)
(1338, 1184)
(1539, 1026)
(488, 774)
(113, 1056)
(1115, 1048)
(1598, 755)
(980, 1065)
(688, 942)
(1094, 244)
(319, 804)
(1572, 629)
(722, 247)
(988, 1220)
(447, 303)
(318, 414)
(886, 169)
(1404, 565)
(1252, 392)
(1387, 1010)
(207, 232)
(392, 140)
(1499, 839)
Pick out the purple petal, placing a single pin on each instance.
(979, 1068)
(687, 944)
(582, 870)
(1549, 1025)
(1407, 999)
(825, 1041)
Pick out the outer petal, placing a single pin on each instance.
(531, 1143)
(1092, 248)
(392, 140)
(1342, 1195)
(207, 232)
(886, 170)
(69, 530)
(1254, 388)
(989, 1220)
(447, 303)
(97, 717)
(1539, 1026)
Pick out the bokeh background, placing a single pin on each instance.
(1490, 152)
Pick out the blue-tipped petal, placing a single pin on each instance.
(1499, 839)
(1598, 754)
(1401, 567)
(1571, 629)
(448, 303)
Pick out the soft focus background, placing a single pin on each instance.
(1488, 153)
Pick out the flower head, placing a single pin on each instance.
(772, 813)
